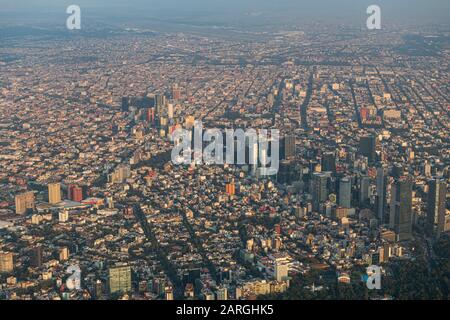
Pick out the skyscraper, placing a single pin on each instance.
(281, 271)
(6, 262)
(230, 188)
(160, 102)
(37, 256)
(401, 215)
(364, 184)
(319, 189)
(125, 104)
(367, 147)
(24, 202)
(120, 279)
(54, 193)
(288, 147)
(345, 192)
(329, 162)
(75, 193)
(437, 194)
(381, 201)
(170, 111)
(176, 92)
(286, 172)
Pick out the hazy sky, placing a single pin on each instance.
(414, 11)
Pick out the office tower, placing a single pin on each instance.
(401, 214)
(145, 114)
(170, 111)
(24, 202)
(75, 193)
(54, 193)
(176, 92)
(125, 104)
(37, 256)
(364, 185)
(329, 162)
(6, 262)
(281, 271)
(437, 194)
(345, 192)
(222, 293)
(288, 147)
(381, 201)
(160, 102)
(286, 172)
(319, 189)
(120, 279)
(367, 147)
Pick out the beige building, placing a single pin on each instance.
(54, 193)
(120, 279)
(24, 201)
(6, 262)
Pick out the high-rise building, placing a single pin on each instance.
(54, 193)
(120, 174)
(222, 293)
(401, 214)
(6, 262)
(176, 92)
(364, 185)
(381, 201)
(286, 172)
(75, 193)
(120, 279)
(125, 104)
(288, 147)
(37, 255)
(24, 202)
(64, 254)
(281, 271)
(367, 147)
(230, 189)
(345, 192)
(160, 103)
(319, 189)
(437, 194)
(169, 294)
(329, 162)
(170, 111)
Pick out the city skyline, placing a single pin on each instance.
(224, 151)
